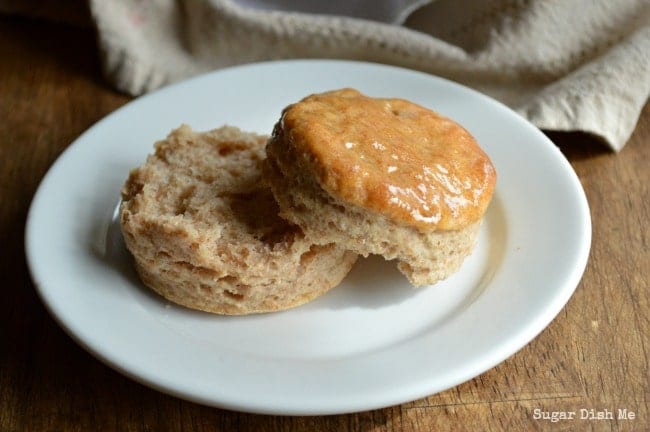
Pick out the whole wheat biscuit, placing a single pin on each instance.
(205, 232)
(381, 176)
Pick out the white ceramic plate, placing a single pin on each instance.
(371, 342)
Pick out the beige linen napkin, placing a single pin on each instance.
(573, 65)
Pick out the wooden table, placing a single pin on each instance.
(594, 355)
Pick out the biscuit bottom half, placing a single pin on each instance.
(205, 232)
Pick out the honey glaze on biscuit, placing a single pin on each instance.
(393, 157)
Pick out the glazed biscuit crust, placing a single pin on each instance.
(390, 156)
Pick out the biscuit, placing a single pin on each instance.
(205, 232)
(381, 176)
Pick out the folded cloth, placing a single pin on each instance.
(576, 65)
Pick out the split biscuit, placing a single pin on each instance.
(381, 176)
(205, 232)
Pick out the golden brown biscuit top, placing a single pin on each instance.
(393, 157)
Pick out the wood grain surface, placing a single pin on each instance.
(594, 355)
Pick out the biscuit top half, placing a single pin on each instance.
(391, 156)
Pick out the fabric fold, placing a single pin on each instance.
(569, 66)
